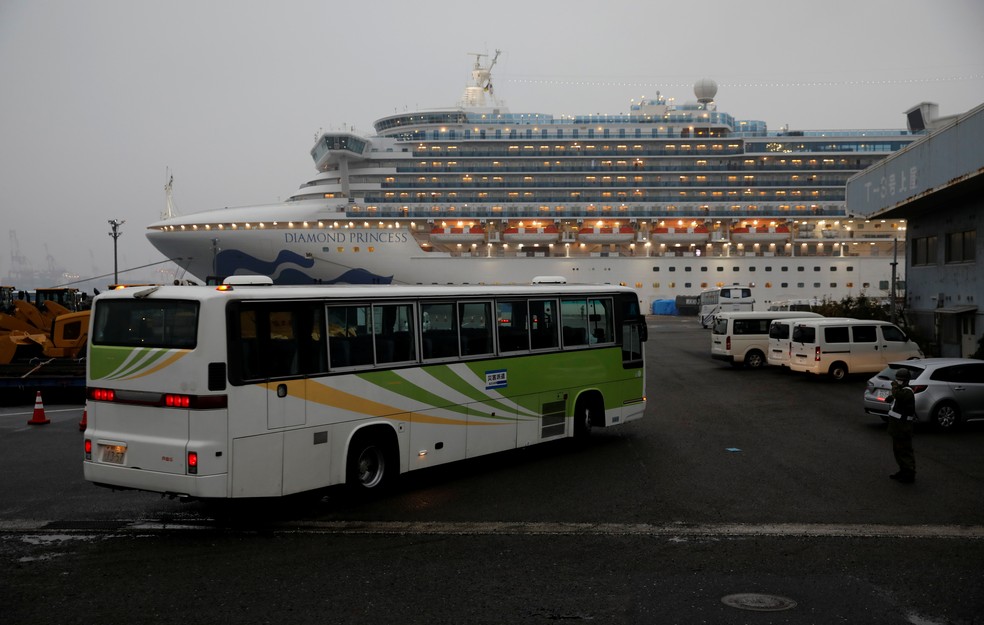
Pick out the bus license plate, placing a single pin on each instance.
(113, 454)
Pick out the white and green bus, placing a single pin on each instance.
(247, 390)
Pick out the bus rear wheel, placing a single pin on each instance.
(370, 464)
(587, 413)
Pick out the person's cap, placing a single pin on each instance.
(903, 374)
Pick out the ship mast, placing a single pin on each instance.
(481, 93)
(169, 211)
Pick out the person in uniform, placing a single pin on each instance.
(900, 425)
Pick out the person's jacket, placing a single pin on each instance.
(904, 401)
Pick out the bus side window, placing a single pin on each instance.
(439, 329)
(512, 323)
(393, 338)
(574, 317)
(349, 338)
(543, 324)
(282, 344)
(600, 320)
(476, 328)
(311, 339)
(249, 349)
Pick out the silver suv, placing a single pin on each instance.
(948, 390)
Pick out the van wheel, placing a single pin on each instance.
(755, 359)
(946, 416)
(838, 371)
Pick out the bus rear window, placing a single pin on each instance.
(171, 324)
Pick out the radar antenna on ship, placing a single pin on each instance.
(475, 94)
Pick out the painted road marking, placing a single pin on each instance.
(672, 530)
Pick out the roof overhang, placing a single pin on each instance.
(955, 310)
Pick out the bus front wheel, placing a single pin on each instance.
(370, 463)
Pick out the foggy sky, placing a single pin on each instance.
(100, 99)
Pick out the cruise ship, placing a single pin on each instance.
(668, 198)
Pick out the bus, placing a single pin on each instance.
(805, 305)
(253, 390)
(734, 298)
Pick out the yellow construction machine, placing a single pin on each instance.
(51, 324)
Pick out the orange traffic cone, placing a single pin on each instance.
(84, 423)
(38, 418)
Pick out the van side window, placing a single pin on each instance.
(751, 326)
(836, 334)
(865, 334)
(891, 333)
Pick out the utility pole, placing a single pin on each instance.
(115, 225)
(215, 257)
(892, 293)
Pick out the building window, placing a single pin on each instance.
(960, 246)
(924, 251)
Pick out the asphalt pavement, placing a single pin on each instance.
(743, 497)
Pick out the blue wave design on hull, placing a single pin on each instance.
(230, 262)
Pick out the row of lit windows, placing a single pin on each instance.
(826, 195)
(594, 180)
(476, 163)
(768, 268)
(783, 285)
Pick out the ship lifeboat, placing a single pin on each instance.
(624, 234)
(473, 234)
(693, 234)
(542, 234)
(760, 234)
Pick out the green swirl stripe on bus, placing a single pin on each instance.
(117, 363)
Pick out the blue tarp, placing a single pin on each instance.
(665, 307)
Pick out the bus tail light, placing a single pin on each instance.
(192, 463)
(177, 401)
(88, 449)
(102, 394)
(162, 400)
(816, 355)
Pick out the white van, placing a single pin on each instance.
(742, 338)
(837, 347)
(781, 340)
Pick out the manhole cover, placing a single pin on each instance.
(757, 602)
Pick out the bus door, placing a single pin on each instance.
(281, 344)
